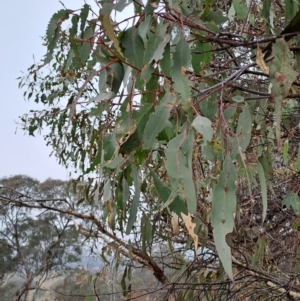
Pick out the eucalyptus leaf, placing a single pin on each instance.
(223, 210)
(203, 126)
(157, 120)
(178, 166)
(262, 180)
(182, 59)
(240, 8)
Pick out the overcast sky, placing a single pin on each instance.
(22, 23)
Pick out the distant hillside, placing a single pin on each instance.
(45, 292)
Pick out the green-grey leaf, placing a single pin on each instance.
(285, 151)
(144, 27)
(178, 166)
(203, 126)
(240, 8)
(155, 44)
(181, 61)
(238, 98)
(176, 205)
(115, 75)
(134, 47)
(292, 200)
(165, 62)
(217, 18)
(263, 186)
(229, 112)
(282, 75)
(73, 29)
(154, 48)
(157, 120)
(223, 210)
(135, 202)
(109, 146)
(83, 16)
(54, 23)
(201, 54)
(244, 128)
(53, 32)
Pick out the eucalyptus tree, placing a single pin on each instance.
(34, 245)
(181, 120)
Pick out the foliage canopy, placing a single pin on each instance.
(179, 113)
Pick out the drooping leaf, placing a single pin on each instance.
(53, 32)
(135, 201)
(209, 106)
(154, 48)
(123, 283)
(223, 210)
(134, 47)
(125, 127)
(266, 14)
(109, 201)
(244, 128)
(178, 165)
(83, 17)
(176, 205)
(135, 139)
(259, 253)
(155, 43)
(201, 54)
(229, 112)
(282, 75)
(285, 151)
(110, 147)
(114, 76)
(165, 62)
(109, 28)
(203, 126)
(54, 23)
(263, 187)
(73, 29)
(159, 51)
(291, 8)
(266, 161)
(145, 26)
(157, 120)
(182, 59)
(84, 50)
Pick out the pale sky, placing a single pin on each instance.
(22, 23)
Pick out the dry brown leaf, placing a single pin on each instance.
(109, 28)
(190, 227)
(175, 224)
(109, 216)
(261, 62)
